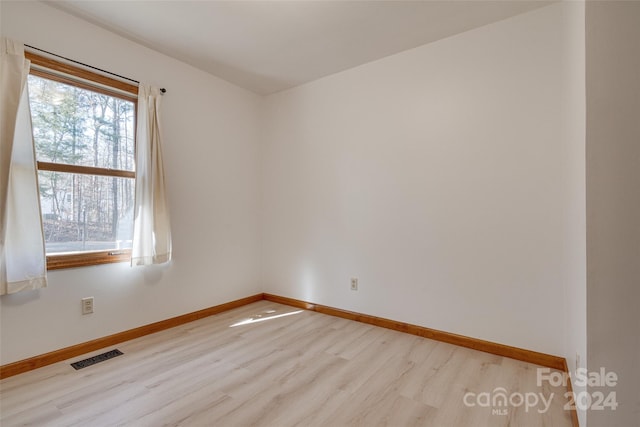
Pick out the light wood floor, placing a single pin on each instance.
(272, 365)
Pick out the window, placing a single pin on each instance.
(84, 133)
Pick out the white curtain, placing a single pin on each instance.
(23, 263)
(151, 229)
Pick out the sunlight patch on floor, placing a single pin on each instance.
(261, 318)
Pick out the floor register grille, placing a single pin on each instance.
(96, 359)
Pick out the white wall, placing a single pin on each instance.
(211, 154)
(449, 179)
(613, 204)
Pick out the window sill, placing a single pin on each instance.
(85, 259)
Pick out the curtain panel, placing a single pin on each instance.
(151, 228)
(22, 251)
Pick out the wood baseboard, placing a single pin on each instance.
(574, 411)
(542, 359)
(55, 356)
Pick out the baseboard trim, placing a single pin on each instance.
(574, 410)
(55, 356)
(542, 359)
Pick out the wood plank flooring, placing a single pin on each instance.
(267, 364)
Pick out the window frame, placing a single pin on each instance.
(79, 77)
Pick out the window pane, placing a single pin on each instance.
(79, 127)
(86, 212)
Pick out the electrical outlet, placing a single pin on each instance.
(87, 305)
(354, 283)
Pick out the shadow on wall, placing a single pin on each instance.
(21, 298)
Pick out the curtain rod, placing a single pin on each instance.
(162, 90)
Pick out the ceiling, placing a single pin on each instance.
(269, 46)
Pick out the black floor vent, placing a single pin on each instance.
(96, 359)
